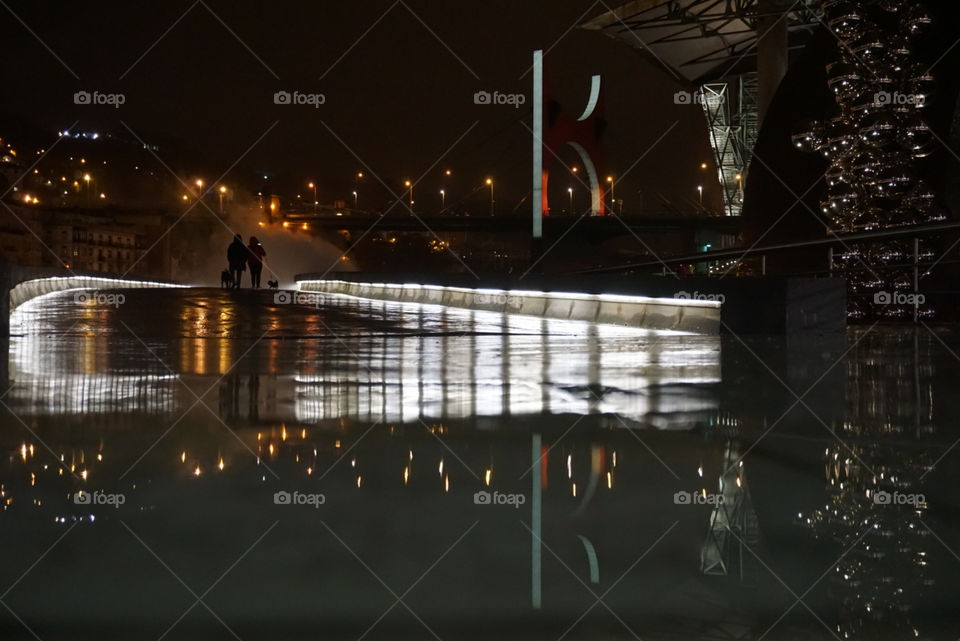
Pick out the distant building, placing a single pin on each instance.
(84, 240)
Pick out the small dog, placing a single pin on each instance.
(226, 279)
(273, 284)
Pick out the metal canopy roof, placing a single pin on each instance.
(699, 41)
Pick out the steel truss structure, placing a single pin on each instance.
(731, 112)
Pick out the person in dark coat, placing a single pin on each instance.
(237, 259)
(255, 254)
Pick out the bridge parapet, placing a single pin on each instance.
(696, 316)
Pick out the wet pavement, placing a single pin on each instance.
(357, 469)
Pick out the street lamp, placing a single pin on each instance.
(613, 198)
(443, 200)
(199, 183)
(447, 172)
(700, 192)
(221, 191)
(492, 201)
(312, 185)
(355, 199)
(409, 185)
(570, 192)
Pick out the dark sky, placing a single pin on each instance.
(398, 98)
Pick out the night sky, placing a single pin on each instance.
(398, 98)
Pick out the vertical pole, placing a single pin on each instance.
(537, 196)
(916, 277)
(536, 595)
(830, 259)
(763, 265)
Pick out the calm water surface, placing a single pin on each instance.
(356, 469)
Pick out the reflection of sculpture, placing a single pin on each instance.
(879, 582)
(733, 522)
(874, 501)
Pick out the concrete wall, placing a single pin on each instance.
(767, 305)
(26, 290)
(702, 317)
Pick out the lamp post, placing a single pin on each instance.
(700, 192)
(443, 200)
(570, 193)
(312, 185)
(220, 192)
(613, 198)
(356, 199)
(492, 201)
(409, 185)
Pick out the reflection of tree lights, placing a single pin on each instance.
(359, 480)
(487, 475)
(406, 474)
(440, 469)
(446, 483)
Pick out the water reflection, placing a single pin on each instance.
(877, 484)
(356, 359)
(400, 414)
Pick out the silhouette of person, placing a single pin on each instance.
(255, 254)
(237, 259)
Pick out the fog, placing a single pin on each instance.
(289, 252)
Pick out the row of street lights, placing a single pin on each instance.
(221, 192)
(408, 184)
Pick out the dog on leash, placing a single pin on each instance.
(226, 279)
(273, 284)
